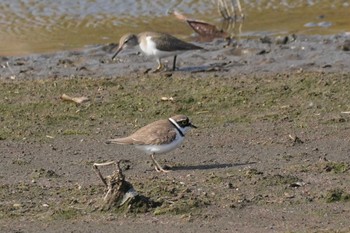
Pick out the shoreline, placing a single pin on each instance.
(249, 56)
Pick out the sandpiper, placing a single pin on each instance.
(158, 137)
(156, 44)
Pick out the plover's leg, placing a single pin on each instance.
(174, 63)
(157, 166)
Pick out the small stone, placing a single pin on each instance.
(288, 195)
(282, 39)
(346, 45)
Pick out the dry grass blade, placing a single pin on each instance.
(77, 100)
(222, 7)
(230, 9)
(180, 16)
(164, 98)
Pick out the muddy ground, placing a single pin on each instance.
(271, 152)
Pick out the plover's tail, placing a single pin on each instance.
(126, 140)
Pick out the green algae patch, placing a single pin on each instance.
(173, 196)
(65, 214)
(324, 167)
(337, 195)
(335, 167)
(180, 207)
(275, 180)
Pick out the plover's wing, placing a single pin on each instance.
(156, 133)
(126, 141)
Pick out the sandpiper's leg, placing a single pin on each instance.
(174, 63)
(160, 66)
(156, 165)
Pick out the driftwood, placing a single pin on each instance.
(119, 192)
(206, 31)
(232, 14)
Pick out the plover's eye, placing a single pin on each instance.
(184, 123)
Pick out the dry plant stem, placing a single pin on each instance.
(227, 14)
(222, 7)
(238, 3)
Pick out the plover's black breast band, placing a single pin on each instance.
(177, 127)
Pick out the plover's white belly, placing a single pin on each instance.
(159, 149)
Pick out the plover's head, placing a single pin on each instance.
(126, 41)
(182, 122)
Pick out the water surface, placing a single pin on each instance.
(28, 26)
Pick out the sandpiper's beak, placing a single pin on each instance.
(116, 53)
(193, 126)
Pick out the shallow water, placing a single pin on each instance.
(28, 26)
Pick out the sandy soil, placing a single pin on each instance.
(271, 153)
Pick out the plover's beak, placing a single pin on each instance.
(193, 126)
(116, 53)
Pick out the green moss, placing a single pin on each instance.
(181, 207)
(274, 180)
(251, 172)
(337, 195)
(336, 167)
(172, 196)
(39, 173)
(20, 162)
(65, 214)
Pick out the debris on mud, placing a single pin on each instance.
(77, 100)
(296, 140)
(120, 194)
